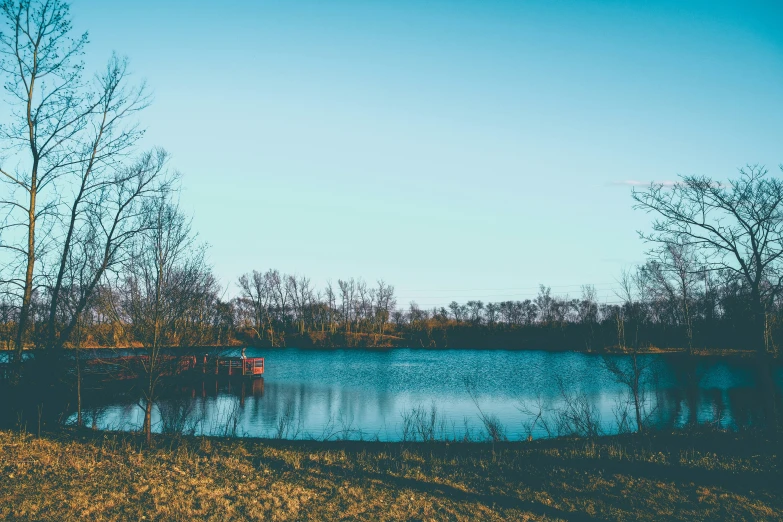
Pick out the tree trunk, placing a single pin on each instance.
(636, 396)
(147, 428)
(24, 313)
(758, 334)
(687, 313)
(78, 390)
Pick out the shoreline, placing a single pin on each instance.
(652, 350)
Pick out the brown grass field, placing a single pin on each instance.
(106, 476)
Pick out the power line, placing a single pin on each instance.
(527, 288)
(407, 296)
(600, 292)
(430, 304)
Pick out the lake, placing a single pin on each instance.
(455, 394)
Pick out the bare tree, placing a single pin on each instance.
(456, 310)
(48, 108)
(160, 279)
(103, 212)
(386, 302)
(492, 313)
(255, 290)
(545, 304)
(632, 290)
(475, 309)
(347, 301)
(331, 305)
(71, 195)
(674, 275)
(280, 296)
(99, 241)
(587, 313)
(632, 372)
(737, 226)
(301, 295)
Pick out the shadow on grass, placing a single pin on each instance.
(459, 495)
(513, 476)
(739, 463)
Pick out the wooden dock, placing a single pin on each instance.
(236, 366)
(124, 367)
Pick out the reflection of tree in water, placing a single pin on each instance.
(318, 408)
(747, 406)
(668, 408)
(176, 416)
(257, 408)
(712, 408)
(688, 372)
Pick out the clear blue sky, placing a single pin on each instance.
(460, 149)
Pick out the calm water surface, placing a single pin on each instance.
(362, 394)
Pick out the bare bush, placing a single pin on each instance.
(422, 424)
(634, 372)
(176, 416)
(493, 428)
(289, 423)
(537, 418)
(577, 416)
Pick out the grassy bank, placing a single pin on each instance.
(75, 476)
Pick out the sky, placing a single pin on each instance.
(464, 149)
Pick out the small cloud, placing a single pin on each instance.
(636, 183)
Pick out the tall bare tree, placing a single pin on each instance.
(385, 303)
(102, 213)
(673, 276)
(736, 225)
(255, 290)
(64, 149)
(101, 242)
(43, 79)
(159, 282)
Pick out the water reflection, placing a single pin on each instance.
(367, 395)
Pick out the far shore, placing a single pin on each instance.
(614, 350)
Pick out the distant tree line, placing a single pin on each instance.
(665, 303)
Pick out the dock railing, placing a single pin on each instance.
(249, 367)
(253, 366)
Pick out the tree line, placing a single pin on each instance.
(666, 303)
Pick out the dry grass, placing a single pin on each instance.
(699, 352)
(113, 477)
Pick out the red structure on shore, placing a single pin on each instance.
(247, 367)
